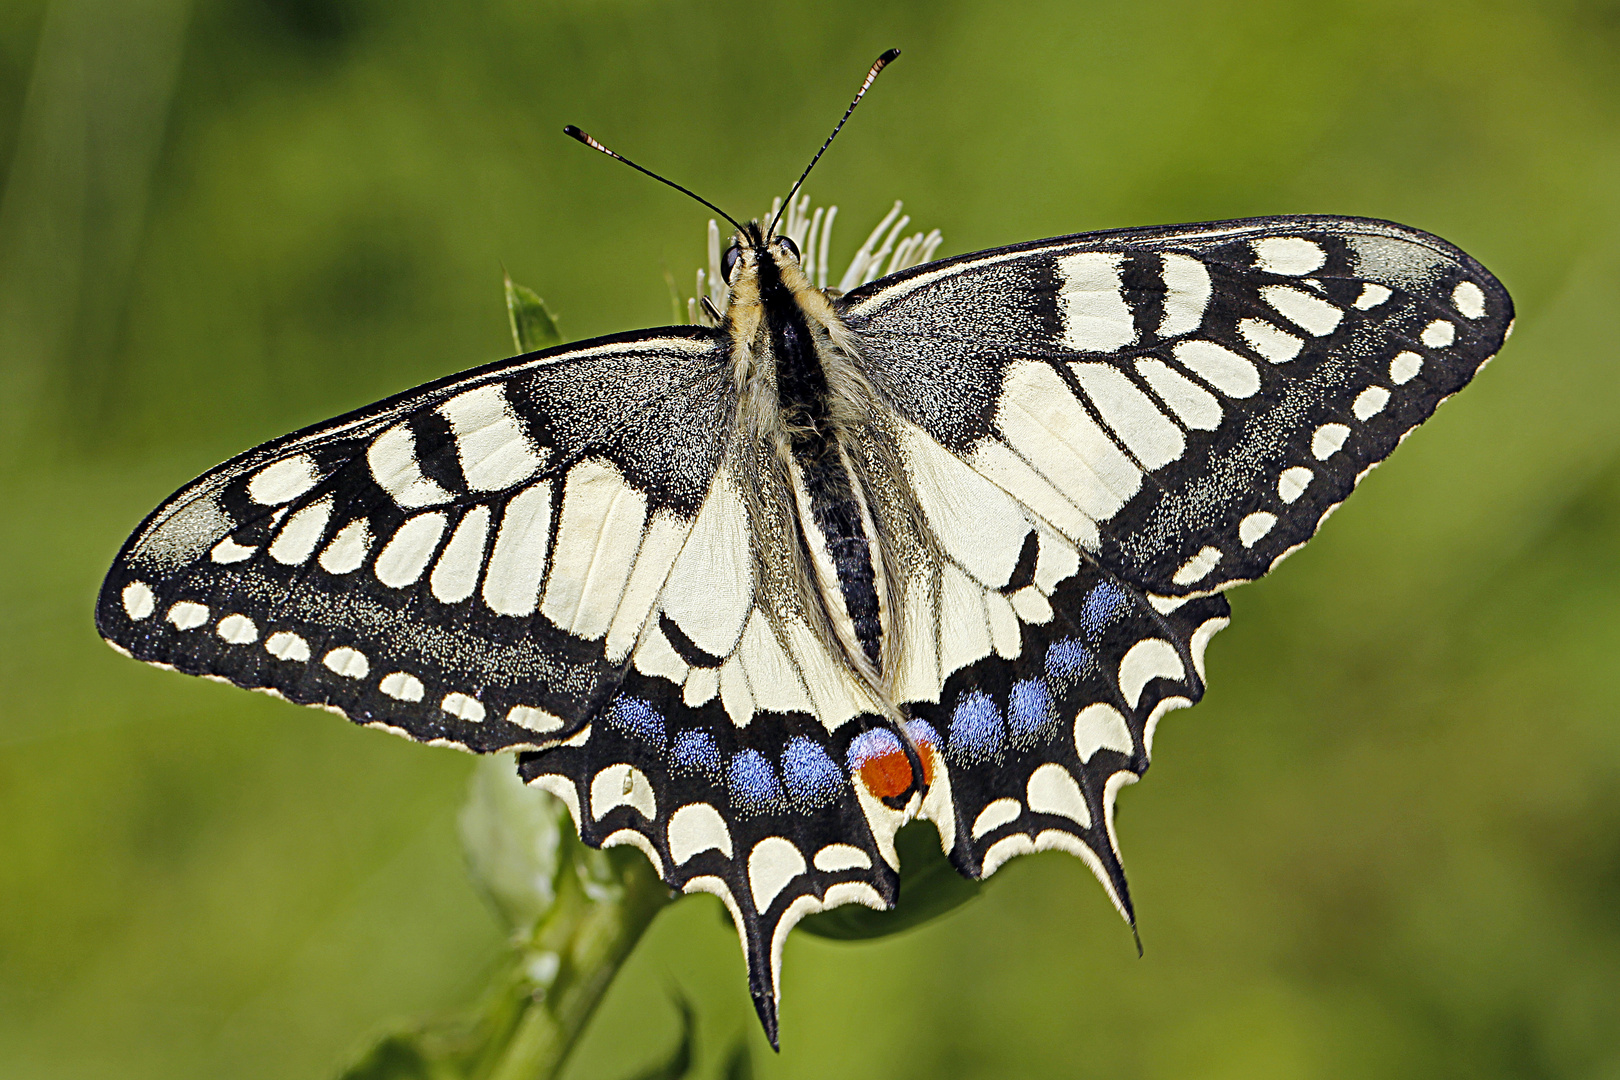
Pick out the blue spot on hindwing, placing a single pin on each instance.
(813, 777)
(876, 743)
(755, 788)
(637, 719)
(695, 753)
(923, 734)
(977, 729)
(1067, 662)
(1105, 605)
(1029, 710)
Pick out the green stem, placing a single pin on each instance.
(589, 938)
(542, 996)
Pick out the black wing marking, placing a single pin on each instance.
(467, 563)
(1185, 403)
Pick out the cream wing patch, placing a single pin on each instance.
(710, 589)
(978, 524)
(494, 452)
(455, 575)
(702, 577)
(518, 563)
(1150, 436)
(960, 611)
(404, 558)
(283, 481)
(397, 470)
(660, 545)
(1092, 302)
(597, 539)
(1192, 404)
(1045, 426)
(1186, 294)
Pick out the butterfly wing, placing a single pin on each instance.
(550, 552)
(561, 552)
(468, 563)
(1103, 432)
(1186, 403)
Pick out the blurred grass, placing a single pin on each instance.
(1388, 844)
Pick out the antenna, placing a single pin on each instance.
(574, 133)
(882, 62)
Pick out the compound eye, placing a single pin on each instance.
(728, 262)
(787, 242)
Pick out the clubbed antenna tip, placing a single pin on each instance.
(881, 63)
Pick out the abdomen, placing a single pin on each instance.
(836, 527)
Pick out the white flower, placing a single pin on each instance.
(884, 252)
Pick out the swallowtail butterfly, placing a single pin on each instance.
(752, 595)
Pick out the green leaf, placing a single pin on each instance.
(739, 1063)
(679, 1062)
(396, 1057)
(533, 326)
(512, 836)
(929, 887)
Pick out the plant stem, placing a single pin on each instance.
(542, 996)
(589, 932)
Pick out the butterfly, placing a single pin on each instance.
(751, 596)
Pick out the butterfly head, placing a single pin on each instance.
(751, 247)
(759, 264)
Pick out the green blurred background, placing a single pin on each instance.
(1387, 845)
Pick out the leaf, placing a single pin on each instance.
(533, 326)
(739, 1063)
(512, 835)
(929, 887)
(679, 1062)
(395, 1057)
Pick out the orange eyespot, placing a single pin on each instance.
(887, 775)
(877, 757)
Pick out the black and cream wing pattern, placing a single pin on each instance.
(468, 563)
(1158, 414)
(755, 649)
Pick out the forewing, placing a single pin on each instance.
(468, 563)
(1187, 403)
